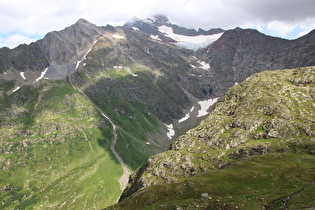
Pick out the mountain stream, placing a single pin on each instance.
(123, 181)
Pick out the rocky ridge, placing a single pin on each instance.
(271, 112)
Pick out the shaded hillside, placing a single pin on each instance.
(261, 133)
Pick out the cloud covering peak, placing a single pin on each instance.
(25, 21)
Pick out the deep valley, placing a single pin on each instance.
(226, 121)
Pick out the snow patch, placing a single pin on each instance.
(148, 21)
(135, 28)
(171, 131)
(205, 106)
(189, 42)
(204, 65)
(127, 68)
(186, 117)
(129, 71)
(84, 57)
(42, 74)
(147, 143)
(155, 37)
(22, 75)
(16, 89)
(194, 67)
(117, 36)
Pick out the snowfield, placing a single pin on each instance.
(189, 42)
(205, 106)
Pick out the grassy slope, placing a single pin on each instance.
(258, 183)
(55, 151)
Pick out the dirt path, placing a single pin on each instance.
(123, 181)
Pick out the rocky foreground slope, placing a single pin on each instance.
(255, 150)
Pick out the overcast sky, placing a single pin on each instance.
(24, 21)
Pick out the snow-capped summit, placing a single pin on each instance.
(160, 28)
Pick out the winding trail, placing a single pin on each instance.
(123, 181)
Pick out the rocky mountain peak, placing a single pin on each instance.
(160, 28)
(63, 48)
(161, 20)
(83, 21)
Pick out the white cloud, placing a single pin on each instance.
(280, 28)
(41, 16)
(15, 40)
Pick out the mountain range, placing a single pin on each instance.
(80, 103)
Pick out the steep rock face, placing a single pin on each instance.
(240, 53)
(65, 48)
(272, 111)
(68, 45)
